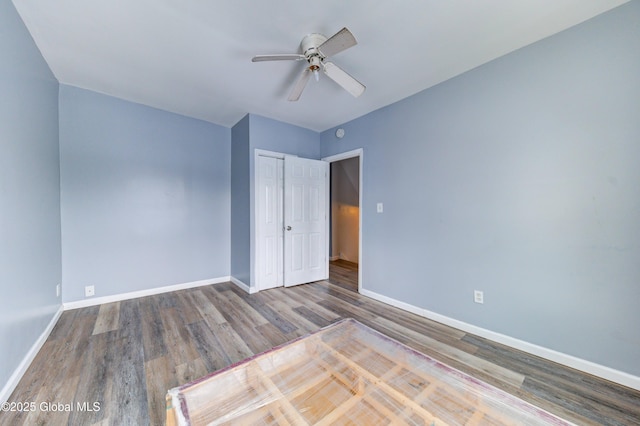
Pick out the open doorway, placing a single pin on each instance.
(344, 236)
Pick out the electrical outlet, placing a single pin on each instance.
(379, 207)
(89, 291)
(478, 296)
(58, 290)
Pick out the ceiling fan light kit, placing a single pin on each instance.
(315, 49)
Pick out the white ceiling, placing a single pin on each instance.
(193, 57)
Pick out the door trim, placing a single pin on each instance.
(343, 156)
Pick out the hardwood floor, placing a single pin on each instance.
(124, 356)
(344, 274)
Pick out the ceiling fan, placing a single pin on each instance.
(315, 49)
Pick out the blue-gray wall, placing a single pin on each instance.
(145, 196)
(240, 204)
(29, 192)
(281, 137)
(520, 178)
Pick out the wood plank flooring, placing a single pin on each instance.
(124, 356)
(344, 274)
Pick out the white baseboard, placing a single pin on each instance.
(333, 258)
(589, 367)
(243, 286)
(9, 387)
(142, 293)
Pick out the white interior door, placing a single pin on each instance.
(269, 216)
(305, 220)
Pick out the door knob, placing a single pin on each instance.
(288, 228)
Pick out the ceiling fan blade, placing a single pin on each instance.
(300, 85)
(341, 77)
(283, 57)
(342, 40)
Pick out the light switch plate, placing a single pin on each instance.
(380, 207)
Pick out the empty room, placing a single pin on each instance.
(320, 213)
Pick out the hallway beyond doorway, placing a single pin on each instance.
(344, 274)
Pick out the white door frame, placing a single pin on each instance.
(256, 280)
(254, 183)
(343, 156)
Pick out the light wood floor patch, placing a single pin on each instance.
(108, 318)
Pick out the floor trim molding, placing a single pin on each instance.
(142, 293)
(248, 289)
(13, 381)
(589, 367)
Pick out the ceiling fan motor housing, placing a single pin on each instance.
(309, 45)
